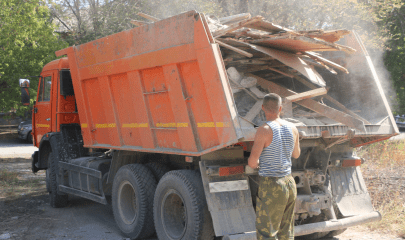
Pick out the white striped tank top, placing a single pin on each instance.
(275, 160)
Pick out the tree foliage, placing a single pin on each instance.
(27, 43)
(390, 17)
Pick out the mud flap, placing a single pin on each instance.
(349, 191)
(231, 211)
(34, 162)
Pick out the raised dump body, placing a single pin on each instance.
(158, 88)
(177, 103)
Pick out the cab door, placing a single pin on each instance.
(43, 107)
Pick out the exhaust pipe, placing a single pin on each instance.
(337, 224)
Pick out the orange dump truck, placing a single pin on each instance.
(148, 117)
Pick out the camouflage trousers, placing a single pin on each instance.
(275, 208)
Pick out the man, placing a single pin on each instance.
(275, 143)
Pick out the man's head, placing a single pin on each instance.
(272, 103)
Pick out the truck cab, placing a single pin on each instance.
(54, 107)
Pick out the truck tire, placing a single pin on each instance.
(48, 185)
(57, 200)
(157, 169)
(180, 209)
(132, 200)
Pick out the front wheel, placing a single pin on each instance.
(58, 200)
(132, 200)
(180, 210)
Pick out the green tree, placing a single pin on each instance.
(27, 43)
(87, 20)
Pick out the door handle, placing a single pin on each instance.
(35, 110)
(48, 119)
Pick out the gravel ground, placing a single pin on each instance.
(31, 217)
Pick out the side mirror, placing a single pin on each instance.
(24, 83)
(25, 94)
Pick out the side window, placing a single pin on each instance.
(45, 89)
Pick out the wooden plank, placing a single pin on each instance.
(270, 27)
(326, 61)
(329, 36)
(308, 94)
(332, 100)
(318, 64)
(281, 72)
(138, 23)
(326, 111)
(254, 111)
(234, 18)
(153, 19)
(236, 26)
(257, 92)
(244, 53)
(333, 45)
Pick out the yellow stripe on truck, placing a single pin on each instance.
(106, 125)
(134, 125)
(42, 125)
(213, 124)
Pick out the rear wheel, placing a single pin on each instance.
(132, 200)
(47, 180)
(58, 200)
(180, 210)
(157, 169)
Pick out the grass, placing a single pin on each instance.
(13, 185)
(384, 174)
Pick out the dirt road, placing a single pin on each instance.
(26, 213)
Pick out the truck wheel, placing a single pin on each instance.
(57, 200)
(132, 200)
(157, 169)
(48, 185)
(180, 209)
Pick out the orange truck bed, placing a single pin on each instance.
(157, 88)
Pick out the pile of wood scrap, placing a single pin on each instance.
(261, 57)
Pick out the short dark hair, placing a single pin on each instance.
(272, 102)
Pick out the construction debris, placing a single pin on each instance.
(262, 57)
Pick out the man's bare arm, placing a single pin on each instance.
(258, 145)
(297, 149)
